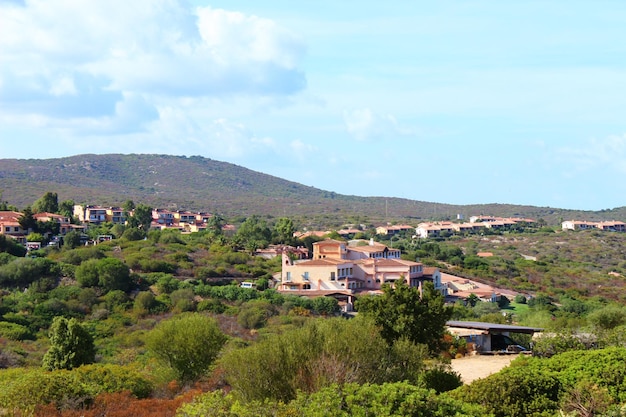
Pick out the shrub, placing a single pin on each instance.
(13, 331)
(188, 344)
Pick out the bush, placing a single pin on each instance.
(13, 331)
(188, 344)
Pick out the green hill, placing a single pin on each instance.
(197, 183)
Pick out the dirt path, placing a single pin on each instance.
(480, 366)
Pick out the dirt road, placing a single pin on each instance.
(480, 366)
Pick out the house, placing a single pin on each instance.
(65, 225)
(344, 268)
(90, 214)
(433, 230)
(490, 337)
(611, 226)
(10, 226)
(393, 229)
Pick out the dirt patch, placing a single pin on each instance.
(480, 366)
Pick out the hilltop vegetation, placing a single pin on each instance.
(197, 183)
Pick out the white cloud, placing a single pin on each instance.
(69, 59)
(364, 124)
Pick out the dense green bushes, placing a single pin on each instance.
(398, 399)
(594, 380)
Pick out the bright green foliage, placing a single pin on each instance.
(188, 343)
(515, 392)
(14, 331)
(71, 345)
(387, 400)
(608, 317)
(592, 379)
(21, 390)
(401, 311)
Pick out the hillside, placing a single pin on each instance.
(197, 183)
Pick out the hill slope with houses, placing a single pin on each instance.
(198, 183)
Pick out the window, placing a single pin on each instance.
(288, 277)
(332, 276)
(305, 276)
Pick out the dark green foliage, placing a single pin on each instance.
(252, 234)
(254, 314)
(133, 233)
(336, 351)
(21, 272)
(71, 240)
(81, 254)
(108, 273)
(183, 300)
(23, 389)
(188, 343)
(325, 305)
(401, 311)
(520, 299)
(49, 202)
(10, 246)
(141, 218)
(70, 345)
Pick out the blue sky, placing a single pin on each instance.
(456, 102)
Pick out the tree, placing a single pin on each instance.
(283, 231)
(27, 220)
(48, 203)
(141, 218)
(253, 234)
(402, 312)
(66, 208)
(71, 345)
(108, 273)
(215, 224)
(188, 344)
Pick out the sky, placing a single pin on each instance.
(459, 102)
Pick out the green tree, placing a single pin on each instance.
(108, 273)
(188, 344)
(252, 234)
(215, 224)
(284, 230)
(141, 218)
(66, 208)
(71, 239)
(48, 203)
(401, 311)
(27, 220)
(71, 345)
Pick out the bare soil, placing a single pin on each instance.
(480, 366)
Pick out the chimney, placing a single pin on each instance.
(371, 241)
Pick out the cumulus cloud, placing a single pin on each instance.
(68, 59)
(364, 124)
